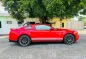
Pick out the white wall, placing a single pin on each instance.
(6, 27)
(76, 25)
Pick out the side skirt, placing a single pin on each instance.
(47, 39)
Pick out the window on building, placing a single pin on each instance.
(42, 27)
(0, 24)
(62, 24)
(9, 22)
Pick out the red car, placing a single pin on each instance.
(42, 33)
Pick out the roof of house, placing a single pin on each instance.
(4, 14)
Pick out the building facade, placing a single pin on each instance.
(67, 23)
(6, 23)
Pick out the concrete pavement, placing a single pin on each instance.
(3, 37)
(11, 50)
(81, 31)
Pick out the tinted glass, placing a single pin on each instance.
(42, 27)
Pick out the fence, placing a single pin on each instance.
(76, 25)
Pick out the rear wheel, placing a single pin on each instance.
(69, 39)
(24, 40)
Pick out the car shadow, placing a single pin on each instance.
(46, 43)
(39, 43)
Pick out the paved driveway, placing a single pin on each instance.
(10, 50)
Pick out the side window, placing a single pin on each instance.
(42, 27)
(0, 24)
(28, 27)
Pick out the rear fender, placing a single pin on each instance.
(24, 34)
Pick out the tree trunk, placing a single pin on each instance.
(44, 20)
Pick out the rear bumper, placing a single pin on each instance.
(13, 36)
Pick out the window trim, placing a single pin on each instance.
(9, 22)
(43, 29)
(62, 24)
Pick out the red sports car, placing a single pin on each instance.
(42, 33)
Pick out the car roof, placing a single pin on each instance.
(39, 24)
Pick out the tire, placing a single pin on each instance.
(24, 40)
(69, 39)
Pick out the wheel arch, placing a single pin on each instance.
(22, 35)
(69, 33)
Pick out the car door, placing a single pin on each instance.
(44, 33)
(56, 34)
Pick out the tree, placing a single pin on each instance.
(44, 9)
(84, 12)
(81, 18)
(84, 7)
(84, 23)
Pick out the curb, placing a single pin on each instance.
(3, 37)
(3, 34)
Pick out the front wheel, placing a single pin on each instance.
(24, 40)
(69, 39)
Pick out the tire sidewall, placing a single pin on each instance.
(20, 39)
(69, 35)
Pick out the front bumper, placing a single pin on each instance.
(76, 35)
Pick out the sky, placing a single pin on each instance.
(2, 10)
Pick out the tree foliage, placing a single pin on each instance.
(80, 18)
(44, 9)
(84, 12)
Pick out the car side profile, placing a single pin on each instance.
(42, 33)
